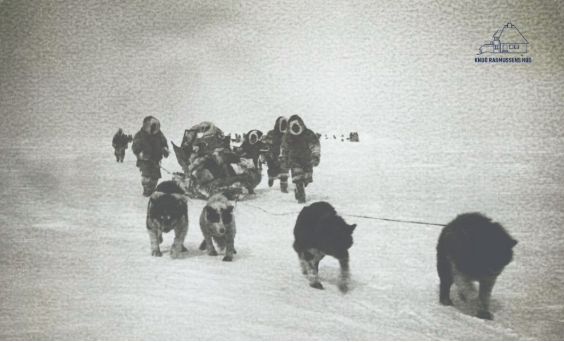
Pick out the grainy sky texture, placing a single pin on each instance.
(72, 72)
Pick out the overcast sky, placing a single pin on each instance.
(78, 70)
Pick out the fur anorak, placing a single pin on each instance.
(150, 145)
(300, 145)
(120, 140)
(273, 138)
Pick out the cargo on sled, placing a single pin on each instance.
(211, 167)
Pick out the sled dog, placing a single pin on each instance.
(472, 248)
(319, 231)
(218, 224)
(167, 210)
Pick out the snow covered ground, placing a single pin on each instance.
(76, 263)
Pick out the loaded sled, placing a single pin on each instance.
(211, 167)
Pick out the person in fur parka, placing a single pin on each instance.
(150, 146)
(272, 140)
(120, 143)
(252, 147)
(300, 151)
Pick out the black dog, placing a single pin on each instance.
(319, 231)
(472, 248)
(167, 210)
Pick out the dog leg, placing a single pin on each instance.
(203, 245)
(209, 245)
(220, 242)
(465, 287)
(312, 273)
(180, 231)
(345, 275)
(230, 247)
(486, 287)
(153, 235)
(445, 275)
(303, 263)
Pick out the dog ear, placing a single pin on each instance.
(229, 208)
(512, 243)
(352, 227)
(179, 197)
(155, 196)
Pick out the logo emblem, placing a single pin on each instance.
(507, 40)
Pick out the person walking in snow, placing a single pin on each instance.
(300, 151)
(150, 146)
(252, 147)
(272, 140)
(120, 143)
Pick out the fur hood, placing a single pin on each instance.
(253, 136)
(281, 125)
(151, 125)
(296, 125)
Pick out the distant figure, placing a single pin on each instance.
(227, 142)
(150, 146)
(120, 143)
(300, 151)
(334, 137)
(353, 137)
(273, 140)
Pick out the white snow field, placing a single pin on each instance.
(76, 263)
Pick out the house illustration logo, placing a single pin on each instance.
(507, 40)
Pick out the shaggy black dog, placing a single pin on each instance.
(167, 210)
(319, 231)
(472, 248)
(170, 187)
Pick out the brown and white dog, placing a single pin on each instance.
(217, 222)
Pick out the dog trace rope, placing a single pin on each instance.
(353, 215)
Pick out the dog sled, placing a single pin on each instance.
(211, 167)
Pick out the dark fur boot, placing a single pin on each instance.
(149, 186)
(299, 192)
(284, 185)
